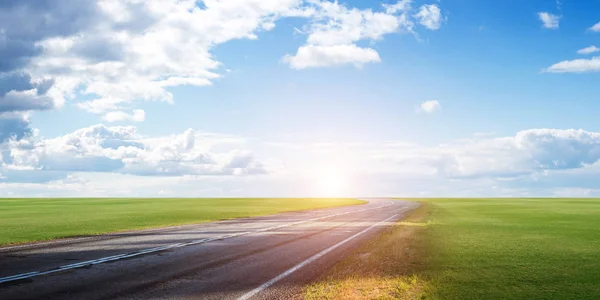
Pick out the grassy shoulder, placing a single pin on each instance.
(477, 249)
(387, 267)
(29, 220)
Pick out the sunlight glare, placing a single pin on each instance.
(331, 182)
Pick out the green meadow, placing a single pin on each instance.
(29, 220)
(477, 249)
(514, 249)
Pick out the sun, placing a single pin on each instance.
(331, 181)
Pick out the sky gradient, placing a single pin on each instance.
(299, 98)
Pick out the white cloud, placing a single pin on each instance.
(137, 115)
(529, 155)
(595, 27)
(122, 150)
(430, 106)
(118, 161)
(588, 50)
(19, 93)
(335, 30)
(120, 52)
(311, 56)
(99, 106)
(549, 20)
(134, 50)
(576, 66)
(430, 16)
(14, 125)
(402, 5)
(342, 25)
(25, 101)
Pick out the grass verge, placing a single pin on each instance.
(477, 249)
(387, 267)
(29, 220)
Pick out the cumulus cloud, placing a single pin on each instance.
(121, 149)
(559, 149)
(595, 27)
(588, 50)
(137, 115)
(19, 94)
(337, 24)
(335, 30)
(549, 20)
(147, 61)
(533, 152)
(430, 106)
(430, 16)
(122, 51)
(14, 101)
(112, 54)
(13, 126)
(311, 56)
(402, 5)
(533, 162)
(528, 152)
(23, 24)
(576, 66)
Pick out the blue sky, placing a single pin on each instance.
(299, 98)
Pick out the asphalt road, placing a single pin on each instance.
(268, 257)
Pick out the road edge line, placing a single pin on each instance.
(295, 268)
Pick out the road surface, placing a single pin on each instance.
(269, 257)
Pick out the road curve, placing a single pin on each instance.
(267, 257)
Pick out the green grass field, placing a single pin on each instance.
(28, 220)
(478, 249)
(514, 249)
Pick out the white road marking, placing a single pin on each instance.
(306, 262)
(172, 246)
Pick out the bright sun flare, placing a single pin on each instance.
(331, 181)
